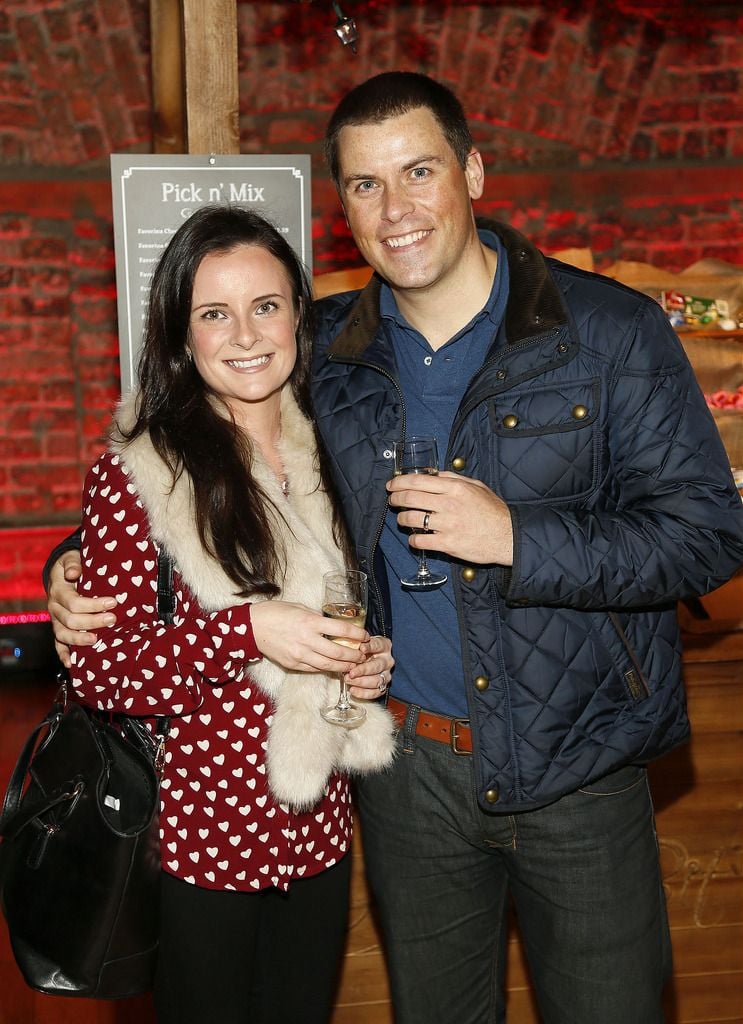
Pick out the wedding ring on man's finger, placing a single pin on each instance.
(426, 518)
(382, 683)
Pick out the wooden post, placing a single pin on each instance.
(194, 76)
(168, 89)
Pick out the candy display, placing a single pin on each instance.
(726, 399)
(694, 311)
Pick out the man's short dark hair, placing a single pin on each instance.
(393, 93)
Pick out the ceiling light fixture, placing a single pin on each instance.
(345, 28)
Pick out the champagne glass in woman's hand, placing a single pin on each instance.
(344, 597)
(419, 455)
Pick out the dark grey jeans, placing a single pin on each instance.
(583, 875)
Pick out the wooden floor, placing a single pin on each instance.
(698, 792)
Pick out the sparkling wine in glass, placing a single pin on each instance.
(419, 455)
(344, 597)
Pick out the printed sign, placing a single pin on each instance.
(153, 195)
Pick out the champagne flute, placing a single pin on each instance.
(344, 597)
(419, 455)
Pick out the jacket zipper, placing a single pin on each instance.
(505, 385)
(634, 677)
(380, 527)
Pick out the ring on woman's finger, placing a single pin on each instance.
(426, 519)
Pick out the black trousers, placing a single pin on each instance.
(251, 958)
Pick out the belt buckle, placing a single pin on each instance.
(453, 738)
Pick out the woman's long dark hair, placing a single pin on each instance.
(233, 515)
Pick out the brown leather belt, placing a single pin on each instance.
(454, 731)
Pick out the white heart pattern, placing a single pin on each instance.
(225, 832)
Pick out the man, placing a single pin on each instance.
(584, 491)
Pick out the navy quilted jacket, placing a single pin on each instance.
(587, 420)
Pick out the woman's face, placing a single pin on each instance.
(242, 329)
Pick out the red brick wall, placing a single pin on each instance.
(615, 126)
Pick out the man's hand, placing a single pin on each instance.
(74, 617)
(462, 517)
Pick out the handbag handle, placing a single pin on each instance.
(15, 823)
(15, 787)
(14, 793)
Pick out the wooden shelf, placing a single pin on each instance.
(717, 359)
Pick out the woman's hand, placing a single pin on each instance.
(294, 636)
(74, 617)
(371, 678)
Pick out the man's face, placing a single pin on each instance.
(407, 200)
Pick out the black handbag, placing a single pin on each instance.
(80, 851)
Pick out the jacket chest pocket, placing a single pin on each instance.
(545, 442)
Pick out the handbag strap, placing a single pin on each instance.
(14, 792)
(14, 824)
(166, 611)
(165, 594)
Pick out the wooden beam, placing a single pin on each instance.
(168, 88)
(194, 76)
(210, 64)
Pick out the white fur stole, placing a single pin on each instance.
(303, 749)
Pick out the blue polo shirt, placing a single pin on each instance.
(428, 667)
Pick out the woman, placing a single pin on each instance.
(215, 462)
